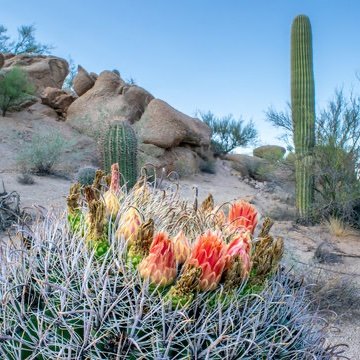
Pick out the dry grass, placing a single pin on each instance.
(338, 228)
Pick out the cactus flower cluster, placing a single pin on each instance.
(176, 246)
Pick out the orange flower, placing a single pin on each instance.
(240, 246)
(160, 265)
(243, 215)
(130, 225)
(182, 247)
(209, 253)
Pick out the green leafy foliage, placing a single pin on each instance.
(42, 153)
(26, 42)
(229, 133)
(14, 87)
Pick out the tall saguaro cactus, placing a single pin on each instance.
(303, 112)
(120, 146)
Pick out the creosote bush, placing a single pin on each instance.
(228, 133)
(147, 275)
(42, 153)
(14, 88)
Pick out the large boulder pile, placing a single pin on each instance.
(43, 71)
(167, 137)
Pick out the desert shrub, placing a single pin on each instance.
(42, 153)
(10, 211)
(228, 133)
(336, 183)
(14, 88)
(25, 179)
(86, 175)
(208, 166)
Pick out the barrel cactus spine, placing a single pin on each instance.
(120, 146)
(303, 113)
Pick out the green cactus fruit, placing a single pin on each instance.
(303, 113)
(120, 146)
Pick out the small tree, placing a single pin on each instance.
(228, 133)
(14, 87)
(25, 43)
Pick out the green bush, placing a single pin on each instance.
(14, 88)
(42, 153)
(86, 175)
(228, 133)
(336, 183)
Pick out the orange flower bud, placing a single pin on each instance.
(160, 265)
(243, 215)
(209, 253)
(182, 247)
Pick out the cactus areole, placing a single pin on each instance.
(303, 112)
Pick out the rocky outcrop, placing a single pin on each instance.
(109, 99)
(270, 152)
(166, 127)
(167, 138)
(57, 99)
(43, 71)
(83, 81)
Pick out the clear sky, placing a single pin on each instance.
(227, 56)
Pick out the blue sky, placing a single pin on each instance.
(227, 56)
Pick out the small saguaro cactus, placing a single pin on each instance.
(120, 146)
(303, 112)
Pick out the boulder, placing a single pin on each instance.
(107, 101)
(57, 99)
(43, 71)
(83, 81)
(270, 152)
(183, 160)
(247, 166)
(166, 127)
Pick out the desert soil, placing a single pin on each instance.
(300, 242)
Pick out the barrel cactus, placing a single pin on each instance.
(184, 282)
(120, 146)
(303, 112)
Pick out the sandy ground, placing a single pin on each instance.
(300, 242)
